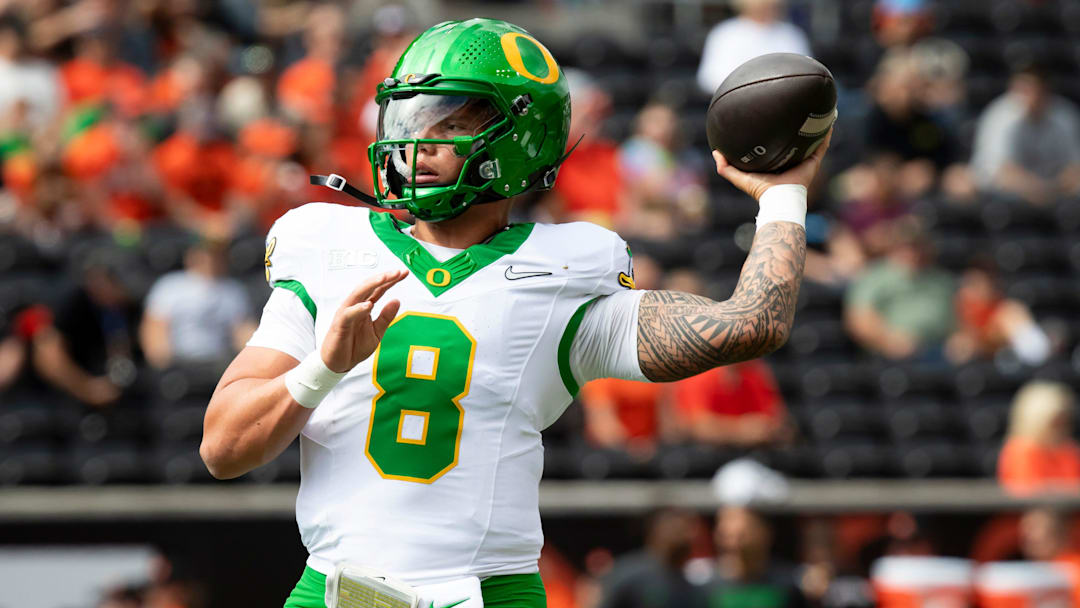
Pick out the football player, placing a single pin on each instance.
(419, 363)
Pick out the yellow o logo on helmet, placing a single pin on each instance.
(513, 56)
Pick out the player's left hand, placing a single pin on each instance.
(354, 335)
(755, 184)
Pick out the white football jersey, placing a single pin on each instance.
(425, 461)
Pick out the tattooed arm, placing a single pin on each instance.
(681, 335)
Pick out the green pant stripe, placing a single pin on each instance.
(509, 591)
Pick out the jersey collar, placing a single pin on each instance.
(437, 276)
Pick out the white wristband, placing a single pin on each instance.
(310, 381)
(782, 203)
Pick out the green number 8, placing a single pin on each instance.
(422, 369)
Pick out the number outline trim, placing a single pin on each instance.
(455, 400)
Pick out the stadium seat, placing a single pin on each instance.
(1003, 213)
(30, 462)
(17, 254)
(823, 339)
(897, 380)
(981, 378)
(246, 255)
(108, 462)
(712, 256)
(936, 458)
(824, 420)
(919, 418)
(691, 460)
(24, 419)
(163, 247)
(595, 49)
(985, 419)
(829, 380)
(178, 463)
(109, 424)
(178, 421)
(189, 381)
(854, 458)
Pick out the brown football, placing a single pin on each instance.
(772, 112)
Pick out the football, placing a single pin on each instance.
(772, 112)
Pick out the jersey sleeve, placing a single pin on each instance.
(293, 260)
(603, 330)
(286, 326)
(294, 269)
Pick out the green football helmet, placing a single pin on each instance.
(483, 93)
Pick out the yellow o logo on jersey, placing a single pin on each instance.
(443, 281)
(510, 49)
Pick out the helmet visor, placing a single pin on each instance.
(426, 139)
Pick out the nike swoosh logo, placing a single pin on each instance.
(457, 603)
(511, 275)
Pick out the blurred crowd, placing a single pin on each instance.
(146, 147)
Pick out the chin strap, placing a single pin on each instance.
(336, 182)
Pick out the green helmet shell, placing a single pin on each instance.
(521, 151)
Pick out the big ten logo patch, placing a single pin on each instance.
(351, 258)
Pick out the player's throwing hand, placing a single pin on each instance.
(353, 334)
(755, 184)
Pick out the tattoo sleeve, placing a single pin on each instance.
(681, 335)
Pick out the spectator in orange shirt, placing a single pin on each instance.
(590, 183)
(94, 76)
(1039, 452)
(395, 28)
(622, 414)
(306, 88)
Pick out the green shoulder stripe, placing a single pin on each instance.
(298, 288)
(565, 343)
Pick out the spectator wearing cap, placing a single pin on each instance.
(1027, 142)
(1039, 453)
(196, 315)
(899, 23)
(87, 349)
(758, 29)
(653, 577)
(745, 572)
